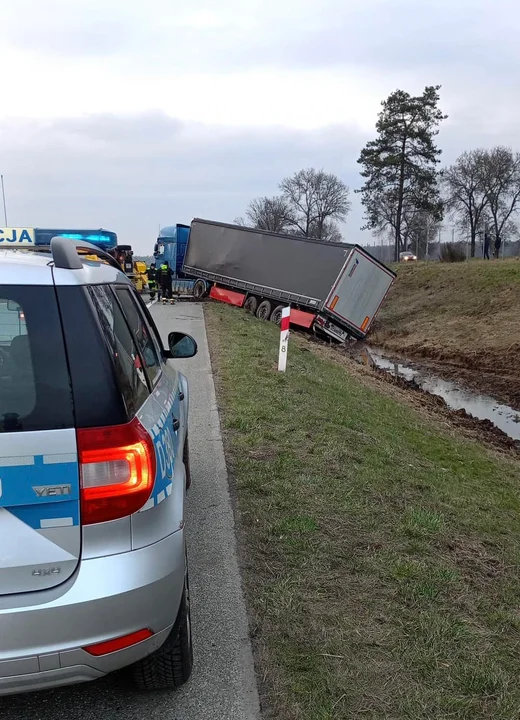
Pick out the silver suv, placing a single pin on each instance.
(93, 477)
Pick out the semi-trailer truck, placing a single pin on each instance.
(332, 288)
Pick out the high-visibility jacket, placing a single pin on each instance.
(165, 276)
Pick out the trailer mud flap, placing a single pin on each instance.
(227, 296)
(301, 318)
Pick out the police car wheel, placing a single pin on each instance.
(170, 666)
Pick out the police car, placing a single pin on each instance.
(93, 476)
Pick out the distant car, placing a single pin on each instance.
(407, 257)
(93, 477)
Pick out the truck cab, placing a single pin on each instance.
(171, 246)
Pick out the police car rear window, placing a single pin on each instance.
(35, 391)
(127, 363)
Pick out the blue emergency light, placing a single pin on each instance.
(104, 239)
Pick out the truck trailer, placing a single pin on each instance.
(332, 288)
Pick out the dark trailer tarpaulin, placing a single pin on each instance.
(286, 263)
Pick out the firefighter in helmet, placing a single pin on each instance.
(166, 278)
(152, 281)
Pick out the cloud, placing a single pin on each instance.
(299, 63)
(132, 114)
(131, 173)
(384, 36)
(293, 34)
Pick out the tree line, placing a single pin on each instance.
(405, 195)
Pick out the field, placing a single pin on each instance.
(463, 316)
(379, 543)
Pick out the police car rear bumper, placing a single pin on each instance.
(43, 643)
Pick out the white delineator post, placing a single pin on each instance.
(284, 338)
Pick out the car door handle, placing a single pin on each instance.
(176, 424)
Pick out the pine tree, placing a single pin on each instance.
(399, 166)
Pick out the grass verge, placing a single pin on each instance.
(380, 552)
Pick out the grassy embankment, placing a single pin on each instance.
(380, 550)
(461, 313)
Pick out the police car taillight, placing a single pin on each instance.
(117, 471)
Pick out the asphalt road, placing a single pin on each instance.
(223, 685)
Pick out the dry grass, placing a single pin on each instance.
(381, 552)
(466, 311)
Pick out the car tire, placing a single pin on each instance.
(199, 290)
(276, 315)
(264, 310)
(251, 304)
(169, 667)
(186, 461)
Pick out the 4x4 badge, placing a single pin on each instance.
(52, 490)
(43, 572)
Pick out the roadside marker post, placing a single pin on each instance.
(284, 339)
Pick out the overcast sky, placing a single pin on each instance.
(129, 115)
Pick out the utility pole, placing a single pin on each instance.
(3, 196)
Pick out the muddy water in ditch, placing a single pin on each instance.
(456, 397)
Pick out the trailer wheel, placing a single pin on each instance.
(199, 290)
(276, 315)
(251, 304)
(264, 310)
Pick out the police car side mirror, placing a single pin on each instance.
(181, 346)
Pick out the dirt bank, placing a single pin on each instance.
(462, 318)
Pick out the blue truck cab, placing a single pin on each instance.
(171, 247)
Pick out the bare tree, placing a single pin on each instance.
(271, 214)
(331, 232)
(316, 199)
(417, 225)
(465, 191)
(420, 231)
(501, 178)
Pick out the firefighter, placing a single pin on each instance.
(152, 280)
(166, 278)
